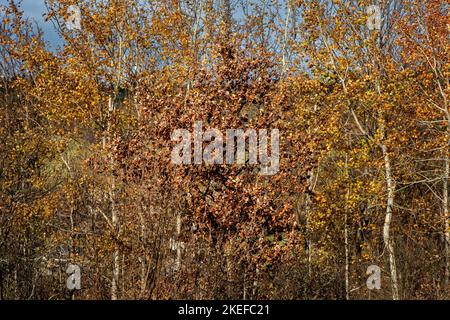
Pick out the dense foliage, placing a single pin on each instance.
(86, 176)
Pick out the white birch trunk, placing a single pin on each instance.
(115, 223)
(388, 241)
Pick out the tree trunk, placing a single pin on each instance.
(143, 259)
(388, 241)
(285, 40)
(178, 244)
(114, 219)
(446, 218)
(347, 280)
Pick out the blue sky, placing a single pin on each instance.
(34, 9)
